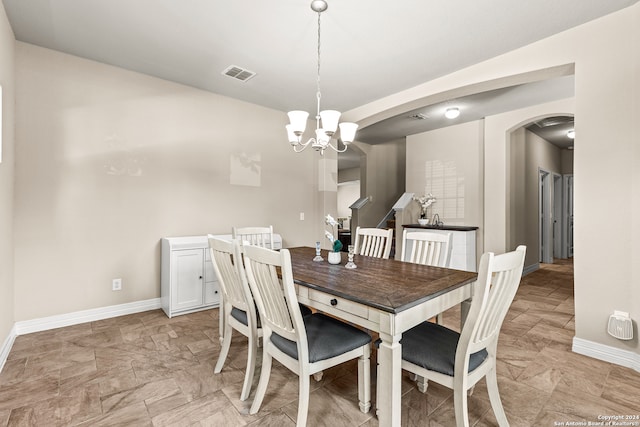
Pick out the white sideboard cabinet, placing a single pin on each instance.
(188, 281)
(463, 243)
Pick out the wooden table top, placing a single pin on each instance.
(386, 284)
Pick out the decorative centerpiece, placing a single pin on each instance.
(424, 202)
(334, 256)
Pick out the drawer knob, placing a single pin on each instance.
(334, 301)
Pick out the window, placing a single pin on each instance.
(447, 185)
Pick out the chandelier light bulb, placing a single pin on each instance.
(348, 132)
(452, 112)
(330, 120)
(319, 5)
(298, 121)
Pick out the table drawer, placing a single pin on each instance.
(338, 303)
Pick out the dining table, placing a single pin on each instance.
(385, 296)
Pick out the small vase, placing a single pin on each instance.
(334, 257)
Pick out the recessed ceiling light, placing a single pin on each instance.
(452, 112)
(571, 134)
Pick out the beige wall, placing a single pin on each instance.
(529, 154)
(109, 161)
(447, 162)
(382, 178)
(351, 174)
(518, 209)
(607, 75)
(567, 161)
(7, 44)
(348, 193)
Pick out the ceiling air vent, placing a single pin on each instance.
(238, 73)
(419, 116)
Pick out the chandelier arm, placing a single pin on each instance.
(336, 147)
(303, 145)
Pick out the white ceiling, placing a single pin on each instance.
(370, 49)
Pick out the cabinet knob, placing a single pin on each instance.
(334, 301)
(200, 277)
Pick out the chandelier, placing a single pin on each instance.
(327, 118)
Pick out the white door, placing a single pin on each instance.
(187, 280)
(545, 228)
(557, 215)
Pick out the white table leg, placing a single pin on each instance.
(389, 391)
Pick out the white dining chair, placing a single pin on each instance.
(374, 242)
(460, 360)
(423, 247)
(305, 345)
(259, 236)
(239, 307)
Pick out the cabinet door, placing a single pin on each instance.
(187, 279)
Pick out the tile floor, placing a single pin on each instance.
(149, 370)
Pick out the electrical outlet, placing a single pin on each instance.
(301, 216)
(116, 285)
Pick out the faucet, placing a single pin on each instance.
(436, 220)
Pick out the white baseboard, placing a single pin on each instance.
(6, 346)
(626, 358)
(75, 318)
(530, 269)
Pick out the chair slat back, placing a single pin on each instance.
(498, 280)
(276, 299)
(226, 258)
(257, 236)
(426, 248)
(374, 242)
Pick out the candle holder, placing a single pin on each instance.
(350, 264)
(318, 258)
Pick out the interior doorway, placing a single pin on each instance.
(556, 220)
(555, 224)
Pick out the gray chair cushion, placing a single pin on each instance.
(241, 315)
(327, 337)
(433, 347)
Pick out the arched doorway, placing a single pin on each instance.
(540, 179)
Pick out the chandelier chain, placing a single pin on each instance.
(318, 95)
